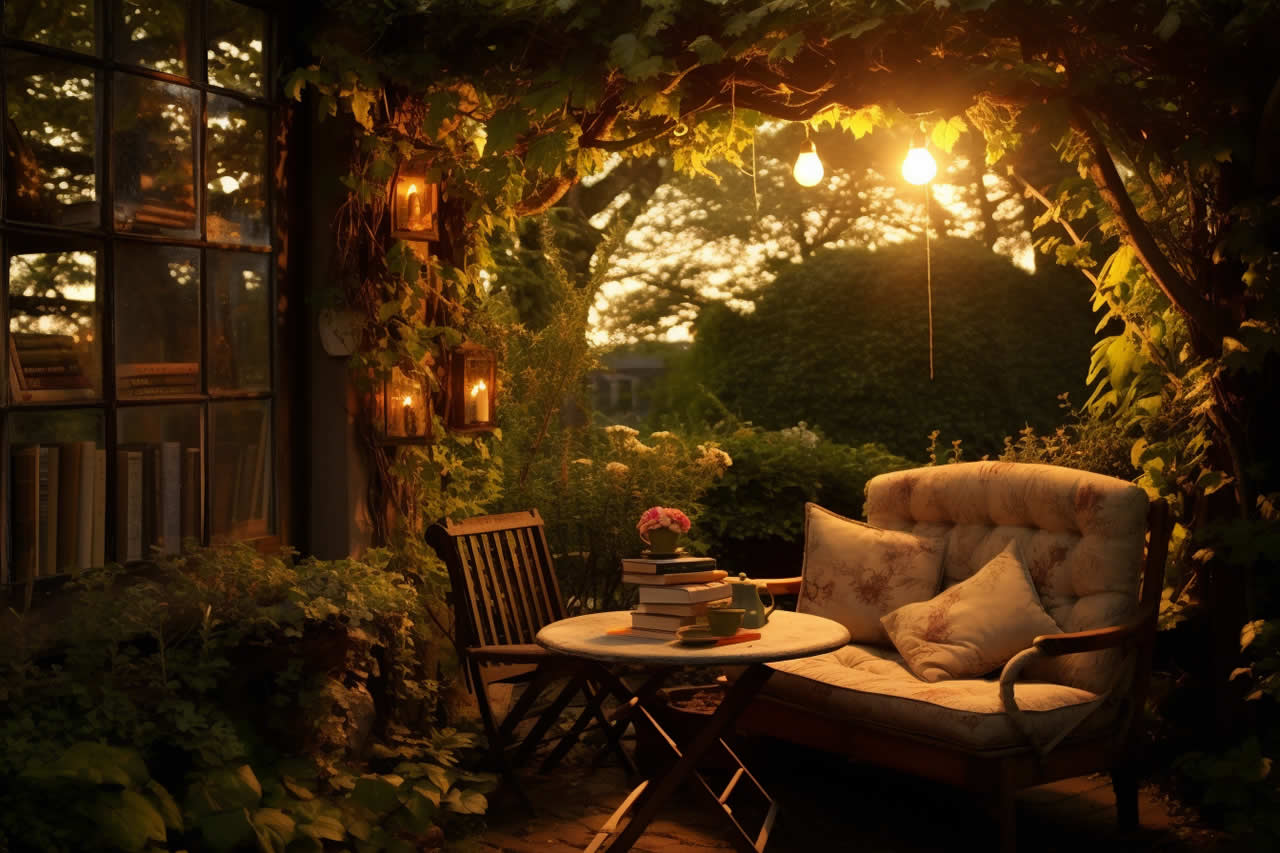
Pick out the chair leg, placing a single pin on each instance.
(1005, 811)
(1124, 782)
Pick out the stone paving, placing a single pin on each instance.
(828, 804)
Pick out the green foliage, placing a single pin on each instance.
(268, 695)
(753, 518)
(843, 341)
(591, 490)
(1239, 787)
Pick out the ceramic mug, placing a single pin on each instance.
(724, 621)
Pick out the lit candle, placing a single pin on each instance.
(479, 403)
(410, 420)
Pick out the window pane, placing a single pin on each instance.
(241, 493)
(50, 150)
(155, 156)
(236, 36)
(54, 346)
(236, 168)
(239, 322)
(153, 33)
(157, 321)
(67, 24)
(159, 479)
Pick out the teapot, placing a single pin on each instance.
(746, 595)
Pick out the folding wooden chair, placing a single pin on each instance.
(504, 591)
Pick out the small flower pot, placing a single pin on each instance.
(663, 541)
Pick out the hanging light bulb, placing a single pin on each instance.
(919, 167)
(808, 170)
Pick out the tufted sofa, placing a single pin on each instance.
(1065, 706)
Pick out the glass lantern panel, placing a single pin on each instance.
(476, 387)
(406, 414)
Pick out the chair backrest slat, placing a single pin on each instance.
(480, 568)
(502, 565)
(525, 624)
(501, 589)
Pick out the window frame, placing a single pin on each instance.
(108, 238)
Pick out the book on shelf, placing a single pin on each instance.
(76, 475)
(192, 493)
(675, 578)
(168, 498)
(673, 609)
(46, 368)
(24, 513)
(48, 524)
(98, 539)
(129, 505)
(684, 594)
(647, 565)
(660, 622)
(153, 379)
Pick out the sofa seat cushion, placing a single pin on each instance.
(871, 685)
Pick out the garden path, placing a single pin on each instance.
(829, 805)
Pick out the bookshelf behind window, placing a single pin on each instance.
(136, 314)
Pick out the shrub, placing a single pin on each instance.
(841, 341)
(605, 480)
(280, 701)
(753, 519)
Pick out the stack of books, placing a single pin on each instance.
(47, 368)
(674, 591)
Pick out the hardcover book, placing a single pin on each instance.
(661, 566)
(684, 594)
(675, 578)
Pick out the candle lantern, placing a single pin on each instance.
(415, 203)
(473, 377)
(404, 416)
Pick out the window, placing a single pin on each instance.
(136, 373)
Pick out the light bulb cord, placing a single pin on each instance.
(928, 271)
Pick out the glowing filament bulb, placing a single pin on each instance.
(408, 401)
(808, 170)
(919, 167)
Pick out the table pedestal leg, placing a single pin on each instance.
(648, 798)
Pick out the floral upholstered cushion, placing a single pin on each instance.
(1081, 535)
(975, 626)
(855, 573)
(871, 686)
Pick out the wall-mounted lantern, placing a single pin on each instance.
(473, 386)
(403, 412)
(415, 203)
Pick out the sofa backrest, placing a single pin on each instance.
(1081, 535)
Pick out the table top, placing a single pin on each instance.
(787, 635)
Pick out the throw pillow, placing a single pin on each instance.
(975, 626)
(855, 573)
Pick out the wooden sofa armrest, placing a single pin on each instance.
(1056, 645)
(783, 586)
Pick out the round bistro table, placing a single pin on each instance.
(786, 636)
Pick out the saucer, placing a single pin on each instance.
(696, 635)
(663, 555)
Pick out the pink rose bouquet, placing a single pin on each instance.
(662, 518)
